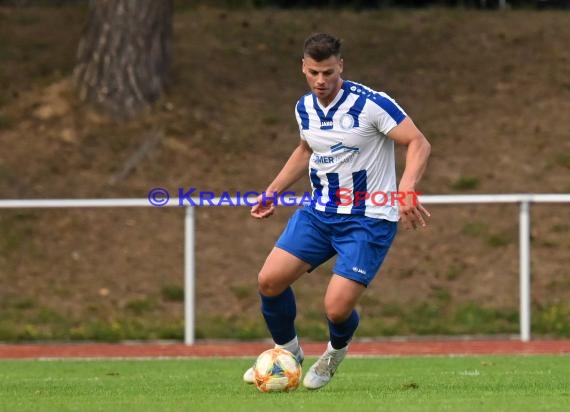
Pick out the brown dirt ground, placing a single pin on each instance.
(490, 90)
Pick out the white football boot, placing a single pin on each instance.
(248, 375)
(324, 368)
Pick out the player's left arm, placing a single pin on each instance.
(418, 150)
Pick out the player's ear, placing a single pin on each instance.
(303, 68)
(341, 65)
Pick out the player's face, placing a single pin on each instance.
(323, 77)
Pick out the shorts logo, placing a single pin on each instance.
(358, 270)
(346, 121)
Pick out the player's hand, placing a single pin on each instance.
(412, 213)
(264, 207)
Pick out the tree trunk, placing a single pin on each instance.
(123, 59)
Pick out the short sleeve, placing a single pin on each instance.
(299, 123)
(302, 117)
(385, 112)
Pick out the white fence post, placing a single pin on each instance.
(189, 277)
(524, 270)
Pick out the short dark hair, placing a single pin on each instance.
(321, 46)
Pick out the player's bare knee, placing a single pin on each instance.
(337, 314)
(268, 285)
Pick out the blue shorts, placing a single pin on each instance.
(360, 242)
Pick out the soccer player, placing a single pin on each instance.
(347, 141)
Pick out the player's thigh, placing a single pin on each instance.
(280, 270)
(341, 297)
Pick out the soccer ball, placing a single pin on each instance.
(276, 370)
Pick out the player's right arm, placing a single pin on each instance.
(293, 170)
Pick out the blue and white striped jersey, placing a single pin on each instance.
(351, 152)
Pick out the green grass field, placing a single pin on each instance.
(489, 383)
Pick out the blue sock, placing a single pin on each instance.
(279, 313)
(341, 333)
